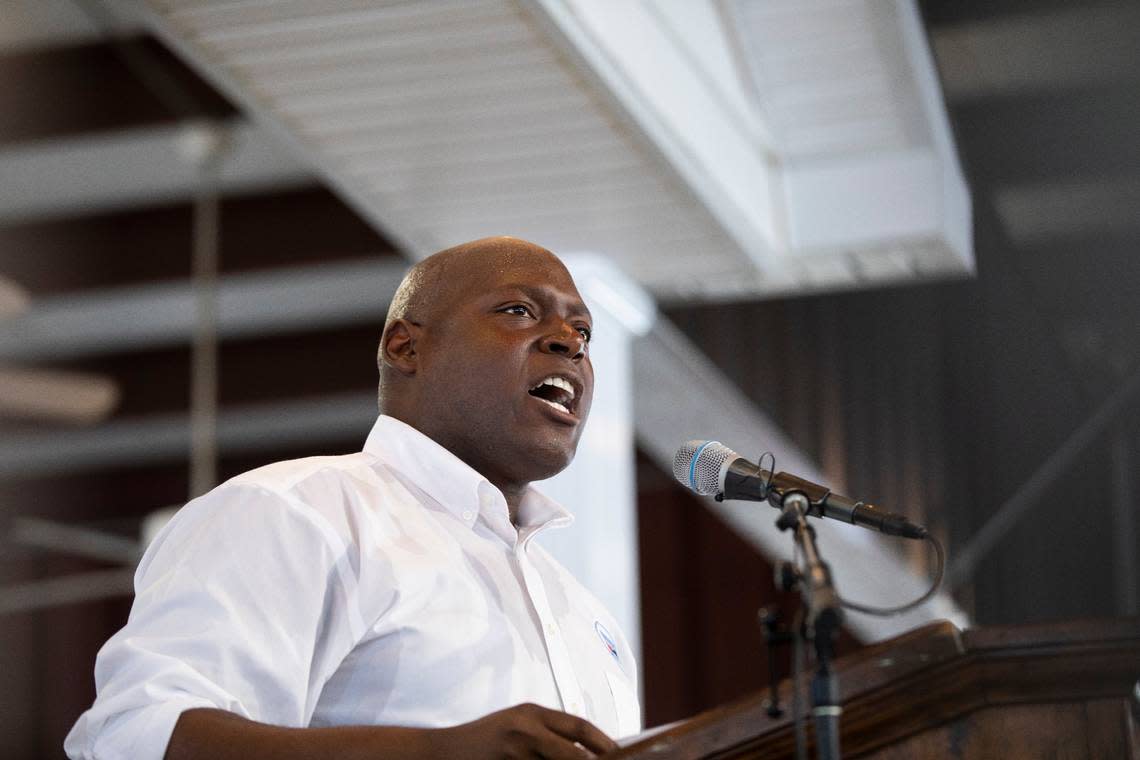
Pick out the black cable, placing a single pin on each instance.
(888, 611)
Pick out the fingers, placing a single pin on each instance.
(578, 730)
(526, 731)
(548, 745)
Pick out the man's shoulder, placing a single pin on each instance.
(291, 475)
(337, 491)
(319, 495)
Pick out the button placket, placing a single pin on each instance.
(560, 662)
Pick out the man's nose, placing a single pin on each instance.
(567, 341)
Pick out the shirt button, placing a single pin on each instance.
(575, 707)
(468, 514)
(551, 629)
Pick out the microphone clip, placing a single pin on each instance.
(782, 485)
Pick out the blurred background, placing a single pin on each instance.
(893, 243)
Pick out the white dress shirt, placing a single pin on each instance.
(386, 587)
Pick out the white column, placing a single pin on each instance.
(599, 487)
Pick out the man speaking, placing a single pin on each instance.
(390, 603)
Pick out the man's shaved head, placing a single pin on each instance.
(434, 281)
(472, 333)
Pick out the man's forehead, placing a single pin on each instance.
(470, 271)
(536, 269)
(521, 264)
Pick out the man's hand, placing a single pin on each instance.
(525, 731)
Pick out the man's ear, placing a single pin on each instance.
(398, 346)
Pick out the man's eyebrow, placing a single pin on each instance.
(545, 294)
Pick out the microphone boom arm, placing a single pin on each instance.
(822, 502)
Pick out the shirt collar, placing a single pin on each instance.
(455, 484)
(538, 512)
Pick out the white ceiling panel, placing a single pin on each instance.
(603, 126)
(820, 67)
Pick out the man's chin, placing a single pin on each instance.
(546, 463)
(548, 456)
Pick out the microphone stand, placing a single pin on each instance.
(822, 621)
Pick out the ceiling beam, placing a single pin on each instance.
(1084, 45)
(150, 316)
(1038, 213)
(134, 168)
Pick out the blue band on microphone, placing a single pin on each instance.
(693, 464)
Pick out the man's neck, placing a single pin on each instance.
(514, 495)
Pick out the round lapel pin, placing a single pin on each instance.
(607, 639)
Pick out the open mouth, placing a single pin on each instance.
(557, 392)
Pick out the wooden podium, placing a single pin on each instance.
(1067, 690)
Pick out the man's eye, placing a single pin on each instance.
(587, 333)
(517, 309)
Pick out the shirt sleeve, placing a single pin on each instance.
(241, 603)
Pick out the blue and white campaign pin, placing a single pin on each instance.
(607, 639)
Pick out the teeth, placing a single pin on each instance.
(556, 405)
(557, 382)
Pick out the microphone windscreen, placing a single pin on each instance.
(697, 465)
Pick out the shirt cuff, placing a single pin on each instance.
(146, 734)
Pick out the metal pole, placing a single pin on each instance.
(822, 621)
(204, 146)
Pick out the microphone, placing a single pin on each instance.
(710, 467)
